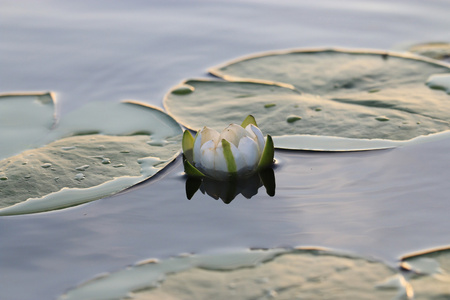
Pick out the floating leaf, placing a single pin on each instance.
(436, 50)
(256, 274)
(358, 95)
(430, 273)
(25, 119)
(115, 146)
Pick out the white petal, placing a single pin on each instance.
(250, 131)
(197, 147)
(207, 156)
(238, 158)
(249, 150)
(220, 164)
(259, 137)
(209, 134)
(233, 134)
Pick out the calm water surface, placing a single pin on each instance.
(381, 203)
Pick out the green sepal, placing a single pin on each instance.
(190, 170)
(229, 158)
(188, 145)
(249, 120)
(267, 155)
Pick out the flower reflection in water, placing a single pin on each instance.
(229, 189)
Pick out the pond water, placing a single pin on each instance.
(380, 204)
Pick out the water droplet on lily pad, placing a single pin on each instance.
(440, 82)
(82, 168)
(382, 118)
(79, 176)
(292, 119)
(183, 90)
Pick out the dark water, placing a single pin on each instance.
(379, 203)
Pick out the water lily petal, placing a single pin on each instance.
(209, 134)
(249, 150)
(233, 134)
(220, 163)
(207, 155)
(238, 158)
(259, 136)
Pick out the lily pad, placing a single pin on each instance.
(24, 119)
(436, 50)
(255, 274)
(360, 95)
(96, 151)
(430, 273)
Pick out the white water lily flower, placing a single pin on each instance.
(235, 151)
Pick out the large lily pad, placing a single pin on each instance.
(24, 120)
(334, 94)
(430, 273)
(256, 274)
(96, 151)
(436, 50)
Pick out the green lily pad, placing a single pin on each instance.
(430, 273)
(255, 274)
(363, 96)
(436, 50)
(24, 120)
(94, 152)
